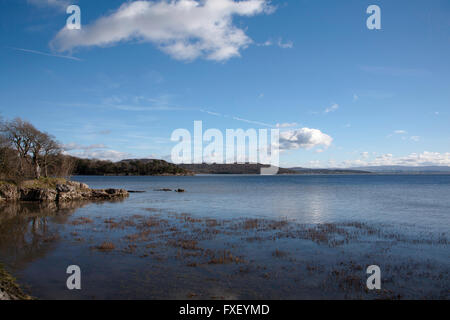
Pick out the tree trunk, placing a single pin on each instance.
(45, 167)
(37, 168)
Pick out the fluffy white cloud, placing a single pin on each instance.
(185, 29)
(304, 138)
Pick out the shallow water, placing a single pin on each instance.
(203, 243)
(421, 201)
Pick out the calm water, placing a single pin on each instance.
(421, 201)
(39, 241)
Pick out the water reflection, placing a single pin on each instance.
(25, 229)
(29, 231)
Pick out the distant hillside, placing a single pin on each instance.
(328, 171)
(129, 167)
(247, 168)
(406, 169)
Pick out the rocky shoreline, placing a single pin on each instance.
(62, 191)
(46, 190)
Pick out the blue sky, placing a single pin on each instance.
(119, 88)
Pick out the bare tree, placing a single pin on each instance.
(19, 134)
(32, 146)
(37, 143)
(50, 149)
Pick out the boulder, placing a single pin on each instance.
(77, 185)
(69, 196)
(108, 193)
(61, 192)
(65, 187)
(83, 186)
(8, 192)
(4, 295)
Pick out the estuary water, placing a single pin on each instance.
(420, 201)
(236, 236)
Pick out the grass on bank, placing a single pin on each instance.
(41, 183)
(9, 285)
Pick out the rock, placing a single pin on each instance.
(62, 193)
(8, 192)
(179, 190)
(108, 193)
(164, 189)
(33, 194)
(69, 196)
(77, 185)
(83, 186)
(65, 187)
(4, 295)
(111, 191)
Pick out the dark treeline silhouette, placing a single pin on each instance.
(135, 167)
(26, 152)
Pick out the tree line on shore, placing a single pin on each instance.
(28, 153)
(134, 167)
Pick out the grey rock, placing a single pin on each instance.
(65, 187)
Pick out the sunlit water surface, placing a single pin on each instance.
(38, 242)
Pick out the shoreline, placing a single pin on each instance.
(55, 190)
(9, 288)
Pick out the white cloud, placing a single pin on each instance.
(280, 43)
(314, 164)
(267, 43)
(415, 138)
(184, 29)
(75, 146)
(286, 44)
(355, 97)
(365, 155)
(111, 155)
(333, 108)
(414, 159)
(400, 132)
(304, 138)
(94, 151)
